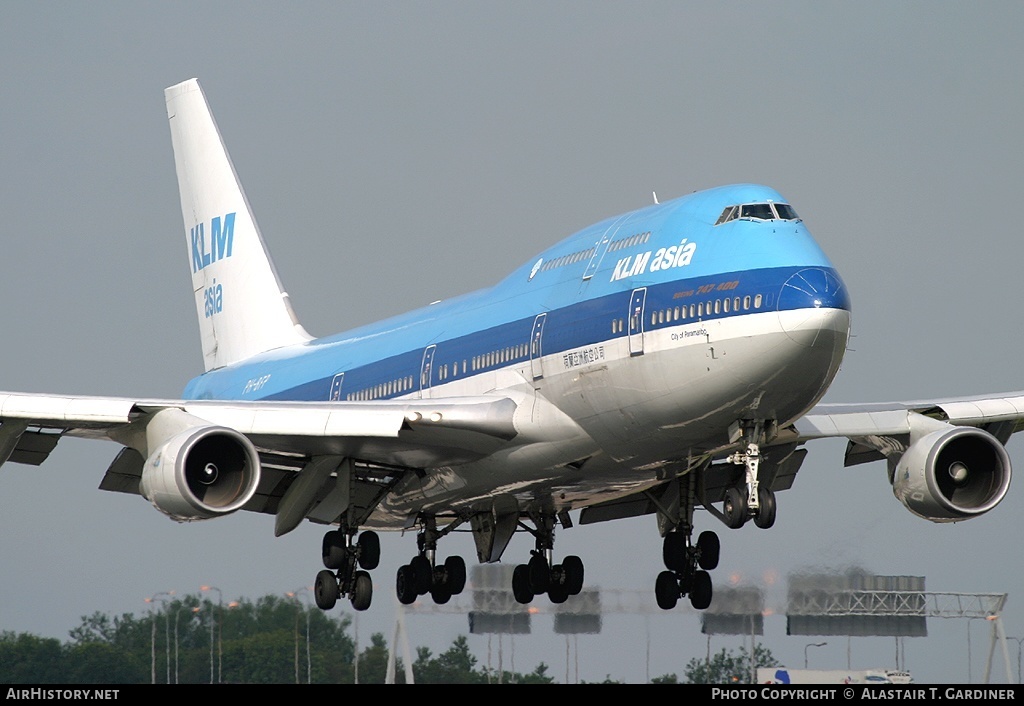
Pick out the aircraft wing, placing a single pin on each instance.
(386, 438)
(886, 428)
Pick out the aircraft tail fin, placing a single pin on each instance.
(243, 309)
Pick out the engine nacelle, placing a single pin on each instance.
(200, 473)
(952, 474)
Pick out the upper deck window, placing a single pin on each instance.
(758, 212)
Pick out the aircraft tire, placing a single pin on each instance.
(405, 585)
(666, 590)
(334, 550)
(521, 584)
(540, 574)
(423, 573)
(572, 568)
(455, 574)
(369, 550)
(362, 591)
(325, 590)
(765, 517)
(673, 551)
(734, 508)
(440, 593)
(701, 591)
(708, 550)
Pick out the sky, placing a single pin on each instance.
(397, 153)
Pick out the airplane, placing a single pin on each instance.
(658, 362)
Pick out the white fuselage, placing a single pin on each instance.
(606, 420)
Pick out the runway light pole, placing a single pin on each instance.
(309, 673)
(177, 614)
(162, 597)
(811, 644)
(197, 610)
(220, 635)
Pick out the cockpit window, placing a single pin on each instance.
(758, 212)
(727, 215)
(786, 212)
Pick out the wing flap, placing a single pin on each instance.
(983, 411)
(34, 447)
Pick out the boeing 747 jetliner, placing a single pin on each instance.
(655, 362)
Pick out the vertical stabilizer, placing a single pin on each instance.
(242, 308)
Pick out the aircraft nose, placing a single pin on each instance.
(805, 297)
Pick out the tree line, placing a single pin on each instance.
(272, 640)
(191, 639)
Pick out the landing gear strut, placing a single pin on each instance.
(422, 575)
(342, 554)
(540, 574)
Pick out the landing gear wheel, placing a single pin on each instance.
(540, 574)
(666, 590)
(734, 508)
(455, 574)
(673, 551)
(369, 550)
(334, 549)
(405, 585)
(423, 573)
(362, 591)
(440, 592)
(521, 584)
(765, 516)
(700, 592)
(325, 590)
(557, 593)
(708, 549)
(572, 568)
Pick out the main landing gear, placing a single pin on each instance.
(342, 554)
(687, 563)
(687, 569)
(423, 575)
(540, 575)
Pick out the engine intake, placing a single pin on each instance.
(200, 473)
(952, 474)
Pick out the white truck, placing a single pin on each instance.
(782, 675)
